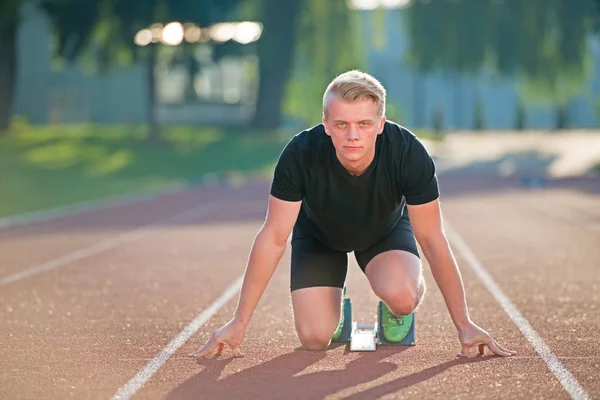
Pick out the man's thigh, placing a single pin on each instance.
(401, 238)
(318, 274)
(394, 261)
(316, 265)
(396, 268)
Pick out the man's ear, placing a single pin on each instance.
(325, 125)
(382, 125)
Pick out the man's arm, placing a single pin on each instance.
(426, 222)
(267, 250)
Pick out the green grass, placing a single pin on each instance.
(49, 166)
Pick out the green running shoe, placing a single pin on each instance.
(395, 328)
(340, 328)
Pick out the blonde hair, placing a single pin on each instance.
(356, 86)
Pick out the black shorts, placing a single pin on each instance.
(315, 264)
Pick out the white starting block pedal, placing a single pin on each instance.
(363, 337)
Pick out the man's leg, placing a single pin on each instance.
(396, 278)
(317, 313)
(393, 268)
(318, 274)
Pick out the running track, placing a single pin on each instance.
(107, 304)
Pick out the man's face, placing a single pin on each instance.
(353, 128)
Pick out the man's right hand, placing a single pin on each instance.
(268, 247)
(230, 334)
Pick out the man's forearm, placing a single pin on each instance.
(447, 276)
(263, 260)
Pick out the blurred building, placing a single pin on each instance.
(224, 92)
(194, 90)
(420, 96)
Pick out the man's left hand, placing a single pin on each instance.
(472, 335)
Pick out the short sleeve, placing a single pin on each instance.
(419, 180)
(288, 181)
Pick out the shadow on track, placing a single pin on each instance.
(278, 378)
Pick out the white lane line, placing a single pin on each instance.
(198, 212)
(563, 375)
(153, 366)
(85, 207)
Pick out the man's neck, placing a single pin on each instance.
(358, 167)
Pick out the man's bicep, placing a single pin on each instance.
(419, 179)
(426, 222)
(288, 176)
(281, 217)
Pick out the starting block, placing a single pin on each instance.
(366, 337)
(363, 337)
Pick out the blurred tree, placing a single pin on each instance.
(102, 32)
(112, 35)
(327, 44)
(438, 120)
(9, 20)
(275, 52)
(74, 22)
(478, 115)
(541, 42)
(77, 19)
(562, 117)
(520, 116)
(103, 28)
(559, 69)
(445, 35)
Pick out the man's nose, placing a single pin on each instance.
(352, 133)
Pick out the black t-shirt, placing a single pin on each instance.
(349, 212)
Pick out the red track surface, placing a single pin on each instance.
(99, 314)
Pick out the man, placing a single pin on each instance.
(356, 183)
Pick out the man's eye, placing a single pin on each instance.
(341, 124)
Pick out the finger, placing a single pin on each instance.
(512, 352)
(208, 348)
(466, 349)
(236, 350)
(237, 353)
(220, 349)
(496, 350)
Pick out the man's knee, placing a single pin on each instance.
(401, 299)
(395, 277)
(314, 338)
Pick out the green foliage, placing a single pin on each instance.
(395, 112)
(9, 12)
(555, 84)
(74, 23)
(447, 35)
(379, 36)
(327, 45)
(542, 42)
(102, 31)
(48, 166)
